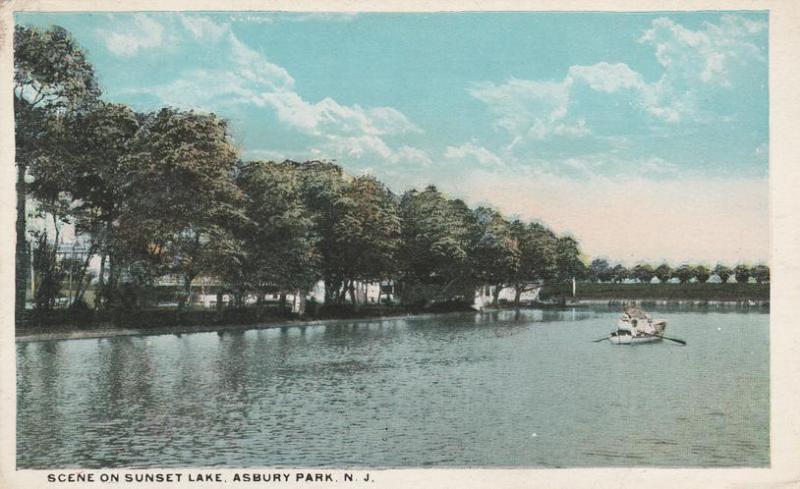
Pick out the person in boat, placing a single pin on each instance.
(637, 320)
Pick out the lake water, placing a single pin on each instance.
(526, 389)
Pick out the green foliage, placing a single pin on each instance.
(742, 273)
(436, 236)
(276, 243)
(760, 273)
(702, 273)
(684, 273)
(663, 273)
(600, 270)
(643, 273)
(620, 273)
(723, 272)
(495, 253)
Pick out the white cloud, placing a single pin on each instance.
(203, 27)
(691, 59)
(606, 77)
(250, 79)
(144, 33)
(469, 152)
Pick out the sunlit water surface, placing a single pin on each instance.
(526, 389)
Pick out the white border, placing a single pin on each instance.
(784, 18)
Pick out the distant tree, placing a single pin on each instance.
(620, 273)
(643, 273)
(761, 273)
(600, 270)
(663, 273)
(742, 273)
(702, 273)
(568, 261)
(723, 272)
(684, 273)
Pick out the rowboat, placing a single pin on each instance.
(635, 327)
(623, 337)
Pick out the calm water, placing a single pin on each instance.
(498, 389)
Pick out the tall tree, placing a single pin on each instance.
(367, 232)
(436, 236)
(495, 254)
(51, 77)
(94, 170)
(278, 241)
(537, 262)
(181, 198)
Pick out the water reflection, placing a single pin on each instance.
(458, 390)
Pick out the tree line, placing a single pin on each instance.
(600, 270)
(165, 193)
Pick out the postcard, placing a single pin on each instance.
(394, 245)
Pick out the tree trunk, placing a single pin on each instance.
(21, 257)
(220, 310)
(300, 297)
(496, 294)
(282, 302)
(352, 290)
(517, 294)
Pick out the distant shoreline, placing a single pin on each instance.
(108, 330)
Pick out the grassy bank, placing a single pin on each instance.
(64, 322)
(670, 292)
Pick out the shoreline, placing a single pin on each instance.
(63, 333)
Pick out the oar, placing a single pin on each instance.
(601, 339)
(676, 340)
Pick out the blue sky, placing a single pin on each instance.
(645, 135)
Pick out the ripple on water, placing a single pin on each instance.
(442, 391)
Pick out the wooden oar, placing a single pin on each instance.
(676, 340)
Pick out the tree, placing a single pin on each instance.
(277, 244)
(643, 273)
(495, 254)
(723, 272)
(600, 270)
(702, 273)
(367, 233)
(436, 240)
(684, 273)
(183, 163)
(96, 146)
(761, 273)
(742, 273)
(663, 273)
(51, 77)
(620, 273)
(537, 259)
(568, 262)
